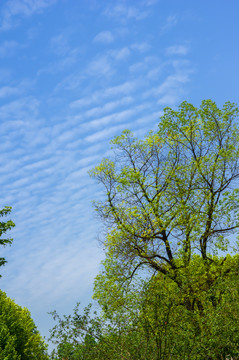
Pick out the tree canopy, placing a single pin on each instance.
(175, 193)
(19, 338)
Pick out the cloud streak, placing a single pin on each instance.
(104, 37)
(177, 50)
(124, 12)
(14, 10)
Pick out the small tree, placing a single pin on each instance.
(19, 338)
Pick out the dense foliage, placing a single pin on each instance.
(169, 287)
(19, 339)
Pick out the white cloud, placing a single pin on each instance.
(169, 99)
(113, 118)
(105, 64)
(171, 21)
(172, 82)
(13, 88)
(71, 82)
(151, 67)
(104, 134)
(141, 47)
(149, 2)
(124, 12)
(17, 110)
(60, 45)
(137, 67)
(108, 107)
(120, 54)
(125, 88)
(13, 10)
(104, 37)
(172, 88)
(144, 120)
(8, 47)
(6, 91)
(154, 72)
(65, 62)
(67, 55)
(100, 66)
(177, 50)
(120, 117)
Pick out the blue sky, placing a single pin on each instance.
(73, 75)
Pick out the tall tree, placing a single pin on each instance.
(173, 194)
(170, 203)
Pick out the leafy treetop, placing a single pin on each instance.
(173, 194)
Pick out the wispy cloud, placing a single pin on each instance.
(7, 48)
(104, 37)
(66, 55)
(108, 107)
(149, 2)
(170, 22)
(18, 110)
(61, 64)
(124, 12)
(172, 88)
(120, 54)
(150, 66)
(14, 88)
(141, 47)
(113, 118)
(125, 88)
(103, 134)
(177, 50)
(14, 10)
(101, 66)
(104, 64)
(60, 45)
(7, 91)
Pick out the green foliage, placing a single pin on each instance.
(153, 320)
(19, 339)
(78, 336)
(4, 227)
(173, 194)
(170, 204)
